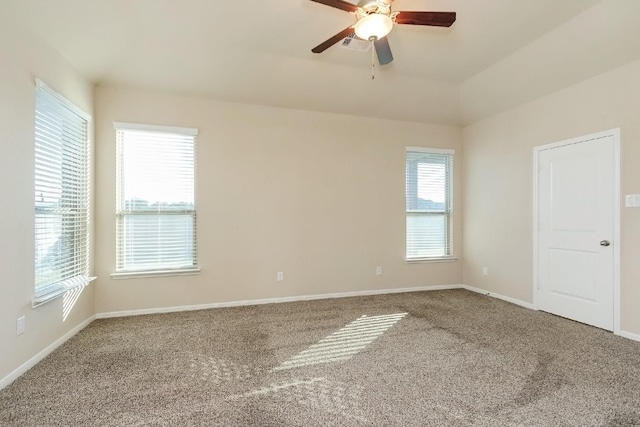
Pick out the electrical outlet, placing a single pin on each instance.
(485, 271)
(280, 276)
(21, 325)
(378, 271)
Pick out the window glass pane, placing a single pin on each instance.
(426, 235)
(431, 186)
(49, 247)
(158, 240)
(158, 170)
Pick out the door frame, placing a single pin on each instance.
(615, 134)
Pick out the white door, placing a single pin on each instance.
(576, 214)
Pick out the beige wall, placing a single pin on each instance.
(317, 196)
(24, 57)
(498, 182)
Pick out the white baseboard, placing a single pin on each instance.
(629, 335)
(271, 301)
(498, 296)
(42, 354)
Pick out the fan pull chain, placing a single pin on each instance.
(373, 59)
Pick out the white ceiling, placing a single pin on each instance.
(259, 51)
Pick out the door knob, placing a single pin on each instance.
(605, 243)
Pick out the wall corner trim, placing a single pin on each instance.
(43, 353)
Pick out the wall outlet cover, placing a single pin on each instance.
(21, 325)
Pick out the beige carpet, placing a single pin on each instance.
(445, 358)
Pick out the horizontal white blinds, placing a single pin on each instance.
(428, 203)
(156, 212)
(61, 194)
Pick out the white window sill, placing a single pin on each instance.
(57, 291)
(430, 260)
(154, 273)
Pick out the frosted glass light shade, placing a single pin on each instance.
(374, 26)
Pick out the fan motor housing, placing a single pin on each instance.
(375, 6)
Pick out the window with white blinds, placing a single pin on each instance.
(428, 197)
(156, 209)
(61, 195)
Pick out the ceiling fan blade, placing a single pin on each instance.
(435, 19)
(339, 4)
(383, 50)
(333, 40)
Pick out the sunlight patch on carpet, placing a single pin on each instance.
(218, 370)
(330, 396)
(345, 342)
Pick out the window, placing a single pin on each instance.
(428, 192)
(61, 195)
(156, 211)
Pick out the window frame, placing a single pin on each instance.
(124, 209)
(61, 143)
(447, 211)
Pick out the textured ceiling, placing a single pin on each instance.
(259, 51)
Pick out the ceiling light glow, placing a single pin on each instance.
(373, 26)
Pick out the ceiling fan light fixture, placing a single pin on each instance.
(373, 26)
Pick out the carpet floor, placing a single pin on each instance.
(439, 358)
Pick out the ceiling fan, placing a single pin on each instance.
(375, 20)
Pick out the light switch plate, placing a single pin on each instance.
(632, 201)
